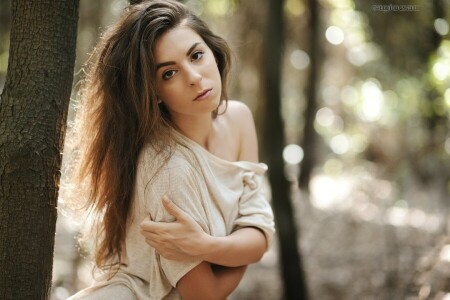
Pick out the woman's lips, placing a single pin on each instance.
(203, 95)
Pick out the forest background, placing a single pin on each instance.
(365, 106)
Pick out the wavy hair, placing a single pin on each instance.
(119, 113)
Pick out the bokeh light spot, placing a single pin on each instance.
(293, 154)
(334, 35)
(299, 59)
(340, 144)
(441, 26)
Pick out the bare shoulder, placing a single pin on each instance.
(238, 109)
(240, 118)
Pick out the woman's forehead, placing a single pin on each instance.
(174, 42)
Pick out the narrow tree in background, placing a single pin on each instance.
(273, 138)
(33, 112)
(309, 134)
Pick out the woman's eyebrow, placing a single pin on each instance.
(168, 63)
(192, 48)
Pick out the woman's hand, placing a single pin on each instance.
(185, 240)
(181, 240)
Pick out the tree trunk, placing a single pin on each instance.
(273, 139)
(33, 112)
(433, 119)
(309, 133)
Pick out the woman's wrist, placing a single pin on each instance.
(213, 247)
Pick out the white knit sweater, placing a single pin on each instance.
(222, 196)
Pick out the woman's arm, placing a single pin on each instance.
(242, 247)
(184, 239)
(206, 282)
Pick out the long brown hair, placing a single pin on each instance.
(119, 114)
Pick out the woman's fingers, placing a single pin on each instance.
(147, 227)
(158, 227)
(168, 252)
(151, 236)
(152, 243)
(183, 237)
(173, 209)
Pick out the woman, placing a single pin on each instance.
(155, 125)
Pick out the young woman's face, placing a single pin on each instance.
(187, 78)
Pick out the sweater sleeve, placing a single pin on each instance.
(254, 209)
(180, 183)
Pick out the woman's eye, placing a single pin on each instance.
(167, 75)
(197, 55)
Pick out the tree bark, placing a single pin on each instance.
(309, 133)
(33, 113)
(273, 138)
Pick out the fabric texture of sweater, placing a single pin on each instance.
(221, 196)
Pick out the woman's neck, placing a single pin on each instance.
(199, 128)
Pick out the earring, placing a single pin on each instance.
(159, 101)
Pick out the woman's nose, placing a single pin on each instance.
(193, 75)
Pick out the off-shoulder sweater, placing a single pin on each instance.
(222, 196)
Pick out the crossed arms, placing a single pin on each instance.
(224, 259)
